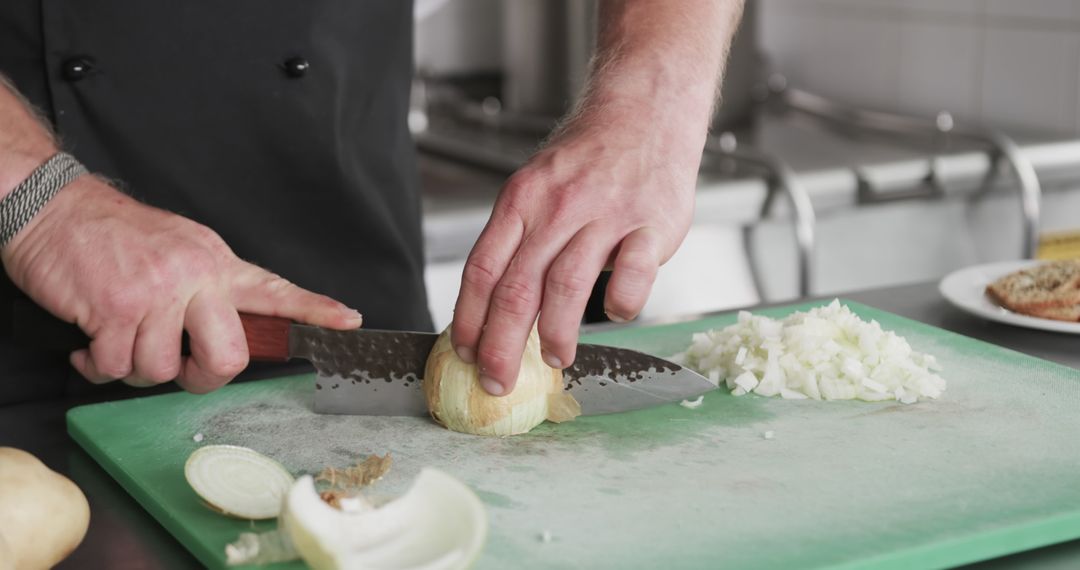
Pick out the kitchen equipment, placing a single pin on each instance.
(988, 470)
(966, 289)
(378, 373)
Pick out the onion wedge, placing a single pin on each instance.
(439, 524)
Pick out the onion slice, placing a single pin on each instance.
(438, 524)
(237, 481)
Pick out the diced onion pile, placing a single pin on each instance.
(827, 353)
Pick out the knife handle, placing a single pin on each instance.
(30, 325)
(267, 337)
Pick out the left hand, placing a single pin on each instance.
(613, 189)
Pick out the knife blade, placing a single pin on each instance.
(374, 372)
(378, 372)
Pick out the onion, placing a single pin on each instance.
(238, 481)
(456, 400)
(827, 353)
(43, 515)
(692, 404)
(439, 524)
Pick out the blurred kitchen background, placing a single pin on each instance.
(860, 143)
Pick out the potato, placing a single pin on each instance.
(43, 515)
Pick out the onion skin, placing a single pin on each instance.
(457, 401)
(43, 515)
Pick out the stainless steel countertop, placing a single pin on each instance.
(123, 536)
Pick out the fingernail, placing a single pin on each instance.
(615, 318)
(552, 360)
(465, 354)
(354, 317)
(492, 386)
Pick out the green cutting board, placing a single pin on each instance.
(990, 469)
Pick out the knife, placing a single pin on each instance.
(378, 372)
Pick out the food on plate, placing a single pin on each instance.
(438, 524)
(457, 401)
(43, 515)
(1049, 290)
(237, 481)
(826, 353)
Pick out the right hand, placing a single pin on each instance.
(134, 278)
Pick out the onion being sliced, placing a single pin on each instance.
(238, 481)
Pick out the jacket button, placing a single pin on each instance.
(295, 67)
(77, 67)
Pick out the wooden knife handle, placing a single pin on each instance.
(267, 337)
(30, 325)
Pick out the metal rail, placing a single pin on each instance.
(1002, 147)
(779, 178)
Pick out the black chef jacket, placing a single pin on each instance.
(281, 124)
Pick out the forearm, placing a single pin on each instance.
(25, 140)
(660, 62)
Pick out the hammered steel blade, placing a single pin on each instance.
(372, 372)
(605, 380)
(366, 372)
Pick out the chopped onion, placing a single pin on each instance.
(238, 481)
(262, 548)
(826, 353)
(692, 404)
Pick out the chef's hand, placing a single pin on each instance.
(608, 192)
(134, 278)
(614, 188)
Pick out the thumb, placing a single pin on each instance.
(257, 291)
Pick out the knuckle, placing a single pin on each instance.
(636, 266)
(522, 181)
(208, 237)
(560, 340)
(621, 304)
(494, 358)
(160, 372)
(227, 364)
(515, 298)
(481, 271)
(465, 330)
(278, 285)
(113, 368)
(568, 284)
(624, 302)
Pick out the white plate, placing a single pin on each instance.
(966, 289)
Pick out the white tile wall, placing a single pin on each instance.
(1030, 79)
(937, 70)
(1012, 63)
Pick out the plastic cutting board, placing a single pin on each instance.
(990, 469)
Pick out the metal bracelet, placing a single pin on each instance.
(31, 195)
